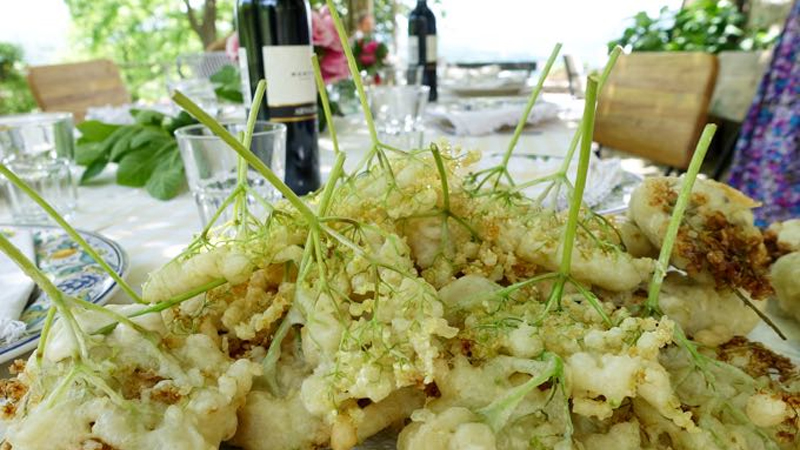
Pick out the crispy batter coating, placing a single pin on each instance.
(785, 274)
(717, 240)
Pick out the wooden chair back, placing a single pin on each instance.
(77, 86)
(655, 105)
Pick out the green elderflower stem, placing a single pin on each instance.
(523, 120)
(270, 361)
(166, 304)
(677, 217)
(573, 145)
(592, 299)
(327, 195)
(560, 176)
(70, 231)
(498, 413)
(62, 386)
(519, 285)
(763, 316)
(437, 157)
(119, 318)
(48, 323)
(326, 105)
(240, 206)
(192, 108)
(313, 240)
(587, 132)
(234, 197)
(571, 228)
(99, 383)
(351, 63)
(239, 195)
(47, 286)
(501, 171)
(699, 360)
(261, 88)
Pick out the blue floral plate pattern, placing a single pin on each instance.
(72, 270)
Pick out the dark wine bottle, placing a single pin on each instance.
(285, 33)
(422, 44)
(251, 65)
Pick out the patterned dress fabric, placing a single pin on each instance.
(766, 165)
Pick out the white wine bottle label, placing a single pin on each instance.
(413, 49)
(291, 88)
(430, 48)
(244, 69)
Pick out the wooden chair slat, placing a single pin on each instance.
(77, 86)
(655, 105)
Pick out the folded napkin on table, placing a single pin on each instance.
(16, 287)
(487, 120)
(603, 176)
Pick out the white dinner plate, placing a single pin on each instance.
(72, 270)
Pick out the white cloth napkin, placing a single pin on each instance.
(487, 120)
(603, 176)
(16, 287)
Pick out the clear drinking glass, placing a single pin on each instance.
(199, 90)
(400, 76)
(398, 111)
(211, 170)
(40, 149)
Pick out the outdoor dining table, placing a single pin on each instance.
(152, 231)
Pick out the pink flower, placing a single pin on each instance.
(367, 59)
(333, 66)
(232, 47)
(332, 61)
(323, 30)
(370, 47)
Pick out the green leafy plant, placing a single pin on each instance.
(706, 25)
(15, 96)
(228, 85)
(146, 151)
(144, 37)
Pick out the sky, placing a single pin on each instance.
(40, 26)
(515, 29)
(470, 29)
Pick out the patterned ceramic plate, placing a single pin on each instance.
(72, 270)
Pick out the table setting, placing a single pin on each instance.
(156, 230)
(321, 243)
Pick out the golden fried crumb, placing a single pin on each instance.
(756, 360)
(11, 390)
(139, 380)
(790, 428)
(96, 444)
(166, 394)
(775, 248)
(17, 367)
(732, 256)
(663, 195)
